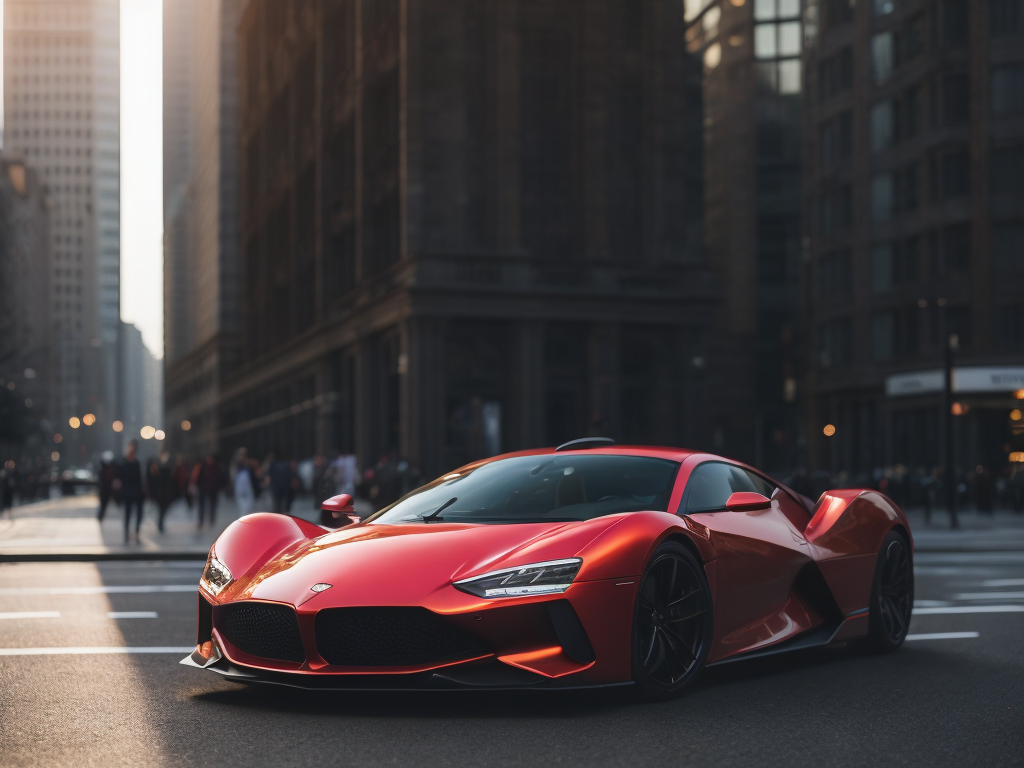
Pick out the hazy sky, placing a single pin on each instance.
(142, 294)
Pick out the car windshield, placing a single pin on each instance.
(545, 488)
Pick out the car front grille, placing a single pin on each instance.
(267, 630)
(392, 637)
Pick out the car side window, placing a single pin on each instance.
(710, 486)
(758, 483)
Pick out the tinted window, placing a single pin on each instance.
(711, 484)
(547, 488)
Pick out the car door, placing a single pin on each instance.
(760, 553)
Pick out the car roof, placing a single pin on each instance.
(653, 451)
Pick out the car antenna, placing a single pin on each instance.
(434, 515)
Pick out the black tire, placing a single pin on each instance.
(892, 595)
(672, 623)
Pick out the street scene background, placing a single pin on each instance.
(398, 236)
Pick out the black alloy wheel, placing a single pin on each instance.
(672, 623)
(892, 595)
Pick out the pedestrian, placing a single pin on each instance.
(105, 482)
(128, 486)
(181, 480)
(245, 496)
(162, 487)
(281, 481)
(209, 479)
(8, 481)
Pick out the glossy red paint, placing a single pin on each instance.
(763, 562)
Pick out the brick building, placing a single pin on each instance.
(915, 202)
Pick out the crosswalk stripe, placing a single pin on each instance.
(132, 615)
(84, 650)
(990, 596)
(970, 609)
(944, 636)
(30, 615)
(115, 590)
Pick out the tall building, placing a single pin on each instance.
(62, 116)
(26, 365)
(468, 228)
(915, 198)
(200, 214)
(752, 89)
(143, 402)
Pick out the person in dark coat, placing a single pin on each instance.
(107, 474)
(282, 481)
(162, 487)
(209, 479)
(129, 488)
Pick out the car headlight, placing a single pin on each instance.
(216, 575)
(546, 578)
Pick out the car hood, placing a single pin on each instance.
(408, 564)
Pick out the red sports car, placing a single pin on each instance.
(589, 564)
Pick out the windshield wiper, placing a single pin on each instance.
(433, 516)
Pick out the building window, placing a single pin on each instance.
(1007, 171)
(881, 267)
(956, 103)
(836, 343)
(906, 196)
(1008, 246)
(836, 12)
(835, 209)
(956, 248)
(1004, 16)
(835, 74)
(834, 273)
(836, 139)
(882, 60)
(1009, 327)
(883, 336)
(910, 40)
(883, 7)
(954, 23)
(882, 197)
(956, 174)
(881, 126)
(1008, 89)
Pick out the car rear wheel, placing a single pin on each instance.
(672, 623)
(892, 595)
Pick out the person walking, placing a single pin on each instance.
(128, 486)
(281, 480)
(209, 480)
(245, 496)
(107, 475)
(162, 486)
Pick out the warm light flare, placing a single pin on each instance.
(74, 422)
(117, 426)
(58, 437)
(89, 419)
(1015, 414)
(829, 430)
(159, 434)
(147, 432)
(186, 425)
(55, 456)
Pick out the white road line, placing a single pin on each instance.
(970, 609)
(139, 589)
(944, 636)
(990, 596)
(929, 603)
(131, 615)
(31, 615)
(81, 651)
(1003, 583)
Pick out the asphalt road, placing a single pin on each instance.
(938, 701)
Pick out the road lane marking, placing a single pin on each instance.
(1003, 583)
(131, 615)
(970, 609)
(31, 615)
(929, 603)
(990, 596)
(135, 589)
(80, 651)
(944, 636)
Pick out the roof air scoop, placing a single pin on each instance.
(585, 443)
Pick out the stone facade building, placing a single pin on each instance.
(468, 228)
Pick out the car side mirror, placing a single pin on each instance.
(745, 501)
(338, 511)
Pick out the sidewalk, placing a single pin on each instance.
(66, 528)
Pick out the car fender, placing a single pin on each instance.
(249, 542)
